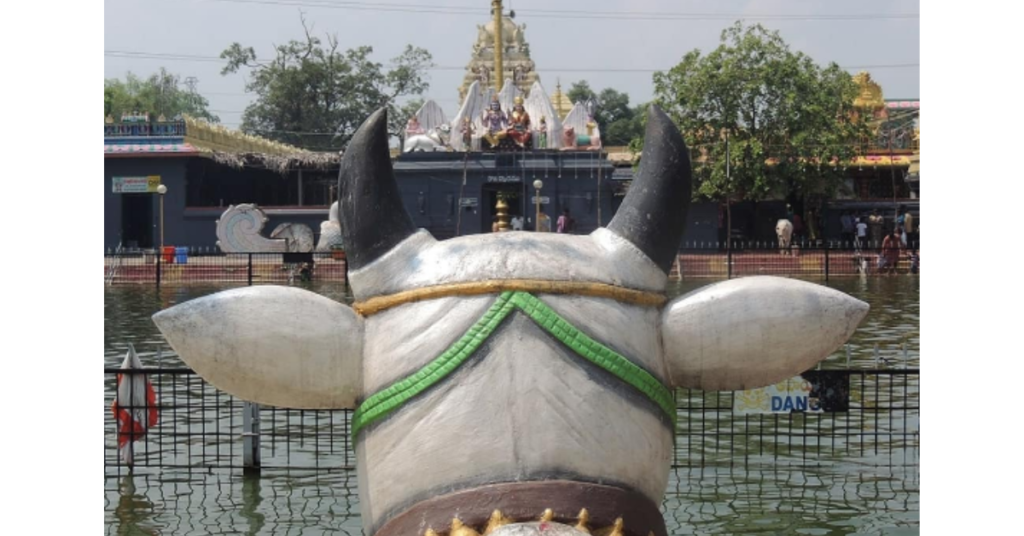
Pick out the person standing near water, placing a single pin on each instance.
(565, 222)
(891, 246)
(862, 232)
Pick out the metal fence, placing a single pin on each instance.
(201, 428)
(820, 259)
(214, 266)
(695, 260)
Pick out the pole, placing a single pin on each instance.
(826, 261)
(537, 202)
(600, 168)
(728, 207)
(250, 437)
(161, 224)
(499, 68)
(250, 269)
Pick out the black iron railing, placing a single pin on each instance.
(201, 428)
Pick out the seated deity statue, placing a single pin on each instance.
(413, 128)
(519, 124)
(495, 123)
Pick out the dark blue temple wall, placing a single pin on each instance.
(432, 200)
(172, 174)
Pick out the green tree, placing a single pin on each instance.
(160, 94)
(580, 92)
(789, 123)
(313, 95)
(619, 122)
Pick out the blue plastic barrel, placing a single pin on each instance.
(181, 255)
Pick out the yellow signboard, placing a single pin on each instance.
(136, 185)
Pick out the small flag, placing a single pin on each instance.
(134, 406)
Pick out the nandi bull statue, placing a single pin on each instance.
(510, 383)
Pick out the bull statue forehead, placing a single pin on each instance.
(513, 380)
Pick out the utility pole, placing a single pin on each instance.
(728, 207)
(499, 44)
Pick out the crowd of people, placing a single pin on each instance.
(865, 231)
(566, 224)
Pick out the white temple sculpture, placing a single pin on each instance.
(297, 236)
(510, 383)
(239, 231)
(330, 231)
(580, 129)
(539, 106)
(428, 130)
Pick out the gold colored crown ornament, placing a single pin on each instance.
(518, 100)
(497, 520)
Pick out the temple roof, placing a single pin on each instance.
(561, 101)
(137, 135)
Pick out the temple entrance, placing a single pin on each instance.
(513, 194)
(137, 220)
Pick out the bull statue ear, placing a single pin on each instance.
(653, 214)
(373, 218)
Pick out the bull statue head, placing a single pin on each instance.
(501, 378)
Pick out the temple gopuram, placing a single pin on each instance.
(479, 169)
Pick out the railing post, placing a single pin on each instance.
(728, 260)
(250, 269)
(159, 263)
(250, 437)
(826, 262)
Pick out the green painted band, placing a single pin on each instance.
(384, 402)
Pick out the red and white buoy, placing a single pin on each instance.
(134, 406)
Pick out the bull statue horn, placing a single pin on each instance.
(653, 214)
(373, 218)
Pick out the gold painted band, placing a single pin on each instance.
(377, 304)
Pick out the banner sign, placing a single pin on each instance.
(136, 185)
(469, 201)
(503, 178)
(815, 391)
(544, 200)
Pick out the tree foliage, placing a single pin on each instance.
(790, 123)
(160, 94)
(314, 95)
(619, 122)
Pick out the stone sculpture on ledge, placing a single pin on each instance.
(510, 383)
(239, 231)
(330, 231)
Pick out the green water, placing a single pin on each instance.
(855, 489)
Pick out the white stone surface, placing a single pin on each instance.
(754, 331)
(532, 529)
(521, 411)
(278, 346)
(298, 236)
(420, 260)
(239, 228)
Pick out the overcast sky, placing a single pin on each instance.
(560, 41)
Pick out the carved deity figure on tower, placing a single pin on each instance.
(495, 122)
(542, 137)
(412, 127)
(519, 124)
(467, 132)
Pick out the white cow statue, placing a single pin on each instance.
(436, 139)
(784, 230)
(510, 383)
